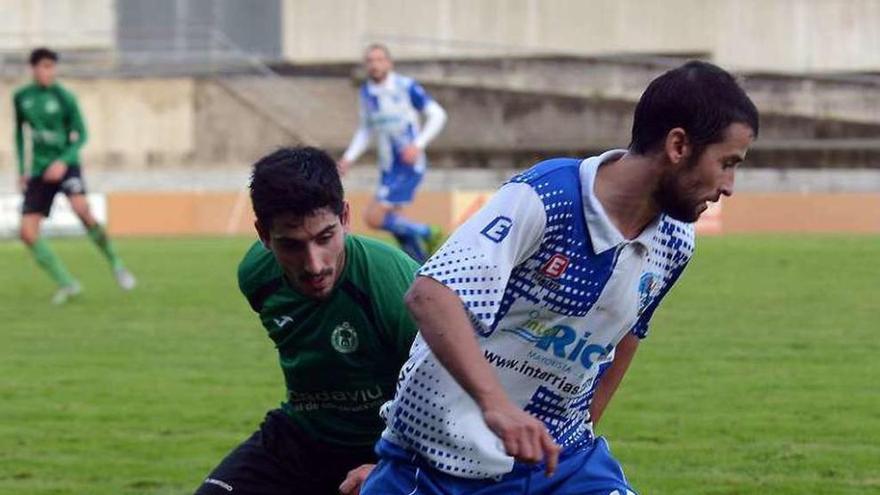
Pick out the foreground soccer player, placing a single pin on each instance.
(57, 133)
(390, 105)
(333, 305)
(530, 314)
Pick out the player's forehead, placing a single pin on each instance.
(376, 53)
(289, 226)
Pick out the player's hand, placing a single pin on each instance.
(525, 437)
(22, 183)
(411, 154)
(342, 166)
(55, 172)
(354, 480)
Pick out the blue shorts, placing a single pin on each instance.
(398, 185)
(591, 470)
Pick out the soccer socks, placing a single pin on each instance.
(403, 227)
(412, 247)
(408, 234)
(99, 237)
(51, 263)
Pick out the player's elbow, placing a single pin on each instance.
(415, 297)
(438, 113)
(419, 297)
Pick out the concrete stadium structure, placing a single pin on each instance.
(798, 36)
(174, 109)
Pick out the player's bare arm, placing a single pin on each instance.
(623, 356)
(444, 325)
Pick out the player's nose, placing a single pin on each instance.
(313, 260)
(727, 183)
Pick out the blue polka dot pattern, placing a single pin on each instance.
(562, 279)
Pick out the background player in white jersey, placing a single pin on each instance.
(530, 314)
(390, 105)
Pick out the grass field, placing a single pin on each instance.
(760, 376)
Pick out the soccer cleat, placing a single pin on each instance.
(125, 279)
(65, 292)
(434, 240)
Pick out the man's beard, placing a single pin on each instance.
(674, 198)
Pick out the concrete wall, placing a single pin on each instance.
(852, 98)
(144, 123)
(168, 122)
(131, 122)
(63, 24)
(779, 35)
(229, 129)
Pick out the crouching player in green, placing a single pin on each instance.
(332, 304)
(57, 133)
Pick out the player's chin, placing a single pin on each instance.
(321, 292)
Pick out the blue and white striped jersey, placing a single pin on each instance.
(390, 111)
(551, 287)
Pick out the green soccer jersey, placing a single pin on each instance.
(57, 128)
(340, 356)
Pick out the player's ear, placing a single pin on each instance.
(263, 233)
(677, 146)
(345, 217)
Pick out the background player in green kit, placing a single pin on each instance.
(332, 304)
(57, 133)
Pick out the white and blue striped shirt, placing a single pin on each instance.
(389, 113)
(551, 287)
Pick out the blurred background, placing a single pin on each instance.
(182, 95)
(761, 375)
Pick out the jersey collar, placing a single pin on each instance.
(389, 82)
(603, 234)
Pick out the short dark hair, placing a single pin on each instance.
(378, 46)
(42, 53)
(298, 180)
(701, 98)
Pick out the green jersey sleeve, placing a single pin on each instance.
(258, 275)
(392, 273)
(19, 131)
(76, 125)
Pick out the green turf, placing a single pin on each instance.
(760, 374)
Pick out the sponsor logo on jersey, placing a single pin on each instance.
(532, 330)
(340, 400)
(344, 338)
(360, 395)
(555, 266)
(52, 106)
(564, 344)
(497, 230)
(559, 345)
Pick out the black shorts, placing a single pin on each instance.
(39, 195)
(279, 459)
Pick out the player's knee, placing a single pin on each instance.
(84, 214)
(86, 218)
(27, 235)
